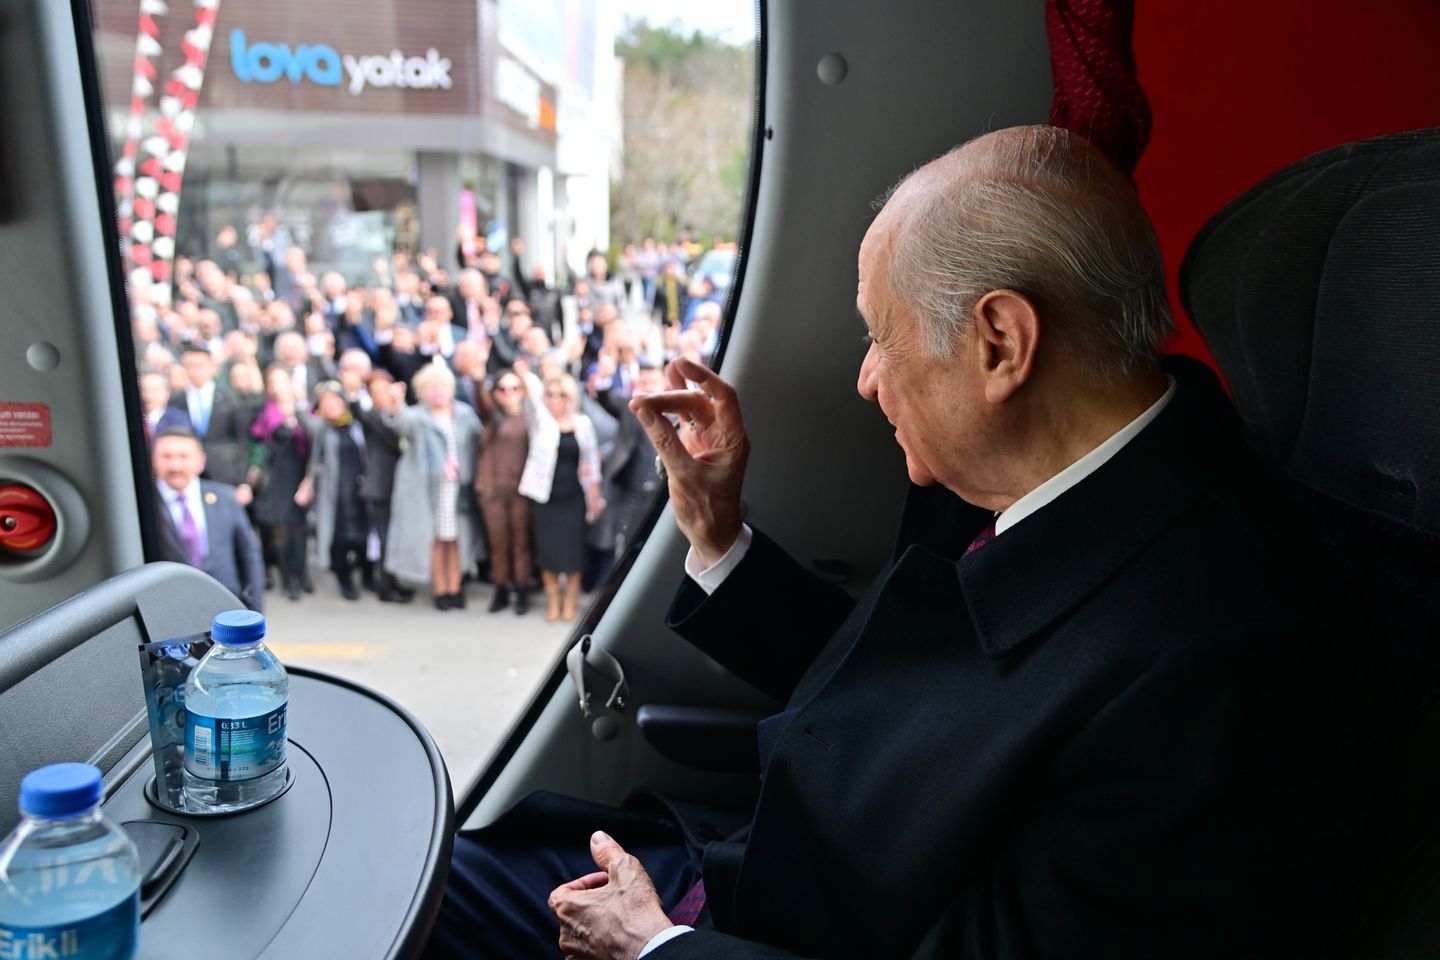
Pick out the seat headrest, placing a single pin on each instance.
(1318, 291)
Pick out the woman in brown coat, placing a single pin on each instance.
(502, 459)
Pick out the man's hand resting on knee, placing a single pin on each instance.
(611, 914)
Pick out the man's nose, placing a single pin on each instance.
(866, 385)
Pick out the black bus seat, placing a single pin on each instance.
(1318, 291)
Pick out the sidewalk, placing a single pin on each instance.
(464, 673)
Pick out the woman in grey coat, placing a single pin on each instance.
(432, 532)
(335, 482)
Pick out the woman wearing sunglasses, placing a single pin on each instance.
(562, 476)
(506, 512)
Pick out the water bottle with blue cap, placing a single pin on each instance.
(236, 700)
(69, 878)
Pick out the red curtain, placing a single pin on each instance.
(1238, 90)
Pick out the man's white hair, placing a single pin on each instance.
(1033, 214)
(359, 357)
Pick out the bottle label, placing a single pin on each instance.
(111, 935)
(229, 749)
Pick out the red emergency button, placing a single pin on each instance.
(27, 521)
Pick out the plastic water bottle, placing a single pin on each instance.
(69, 878)
(236, 701)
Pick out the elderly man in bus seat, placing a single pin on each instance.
(1065, 721)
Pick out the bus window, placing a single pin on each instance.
(394, 269)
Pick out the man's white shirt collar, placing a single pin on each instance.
(1051, 489)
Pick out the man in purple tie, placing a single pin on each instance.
(201, 522)
(1070, 718)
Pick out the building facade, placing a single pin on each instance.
(368, 126)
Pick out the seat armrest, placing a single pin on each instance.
(716, 739)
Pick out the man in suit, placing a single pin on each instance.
(543, 303)
(1069, 719)
(496, 282)
(353, 371)
(215, 294)
(629, 470)
(306, 371)
(507, 328)
(401, 357)
(468, 365)
(467, 305)
(446, 329)
(155, 399)
(409, 300)
(336, 299)
(202, 522)
(219, 420)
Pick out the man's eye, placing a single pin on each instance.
(866, 339)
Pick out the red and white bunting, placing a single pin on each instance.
(151, 169)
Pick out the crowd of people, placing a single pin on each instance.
(410, 429)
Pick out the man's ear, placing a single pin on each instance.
(1006, 328)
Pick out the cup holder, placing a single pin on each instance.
(152, 794)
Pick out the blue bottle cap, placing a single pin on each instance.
(238, 628)
(60, 790)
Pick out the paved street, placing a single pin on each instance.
(464, 673)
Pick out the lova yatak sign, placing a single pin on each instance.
(323, 65)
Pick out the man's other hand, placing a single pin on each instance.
(704, 459)
(612, 914)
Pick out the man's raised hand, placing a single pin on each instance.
(704, 458)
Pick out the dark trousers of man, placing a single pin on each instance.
(501, 876)
(507, 528)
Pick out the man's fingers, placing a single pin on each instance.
(580, 884)
(688, 404)
(664, 438)
(572, 947)
(674, 379)
(706, 379)
(607, 853)
(588, 882)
